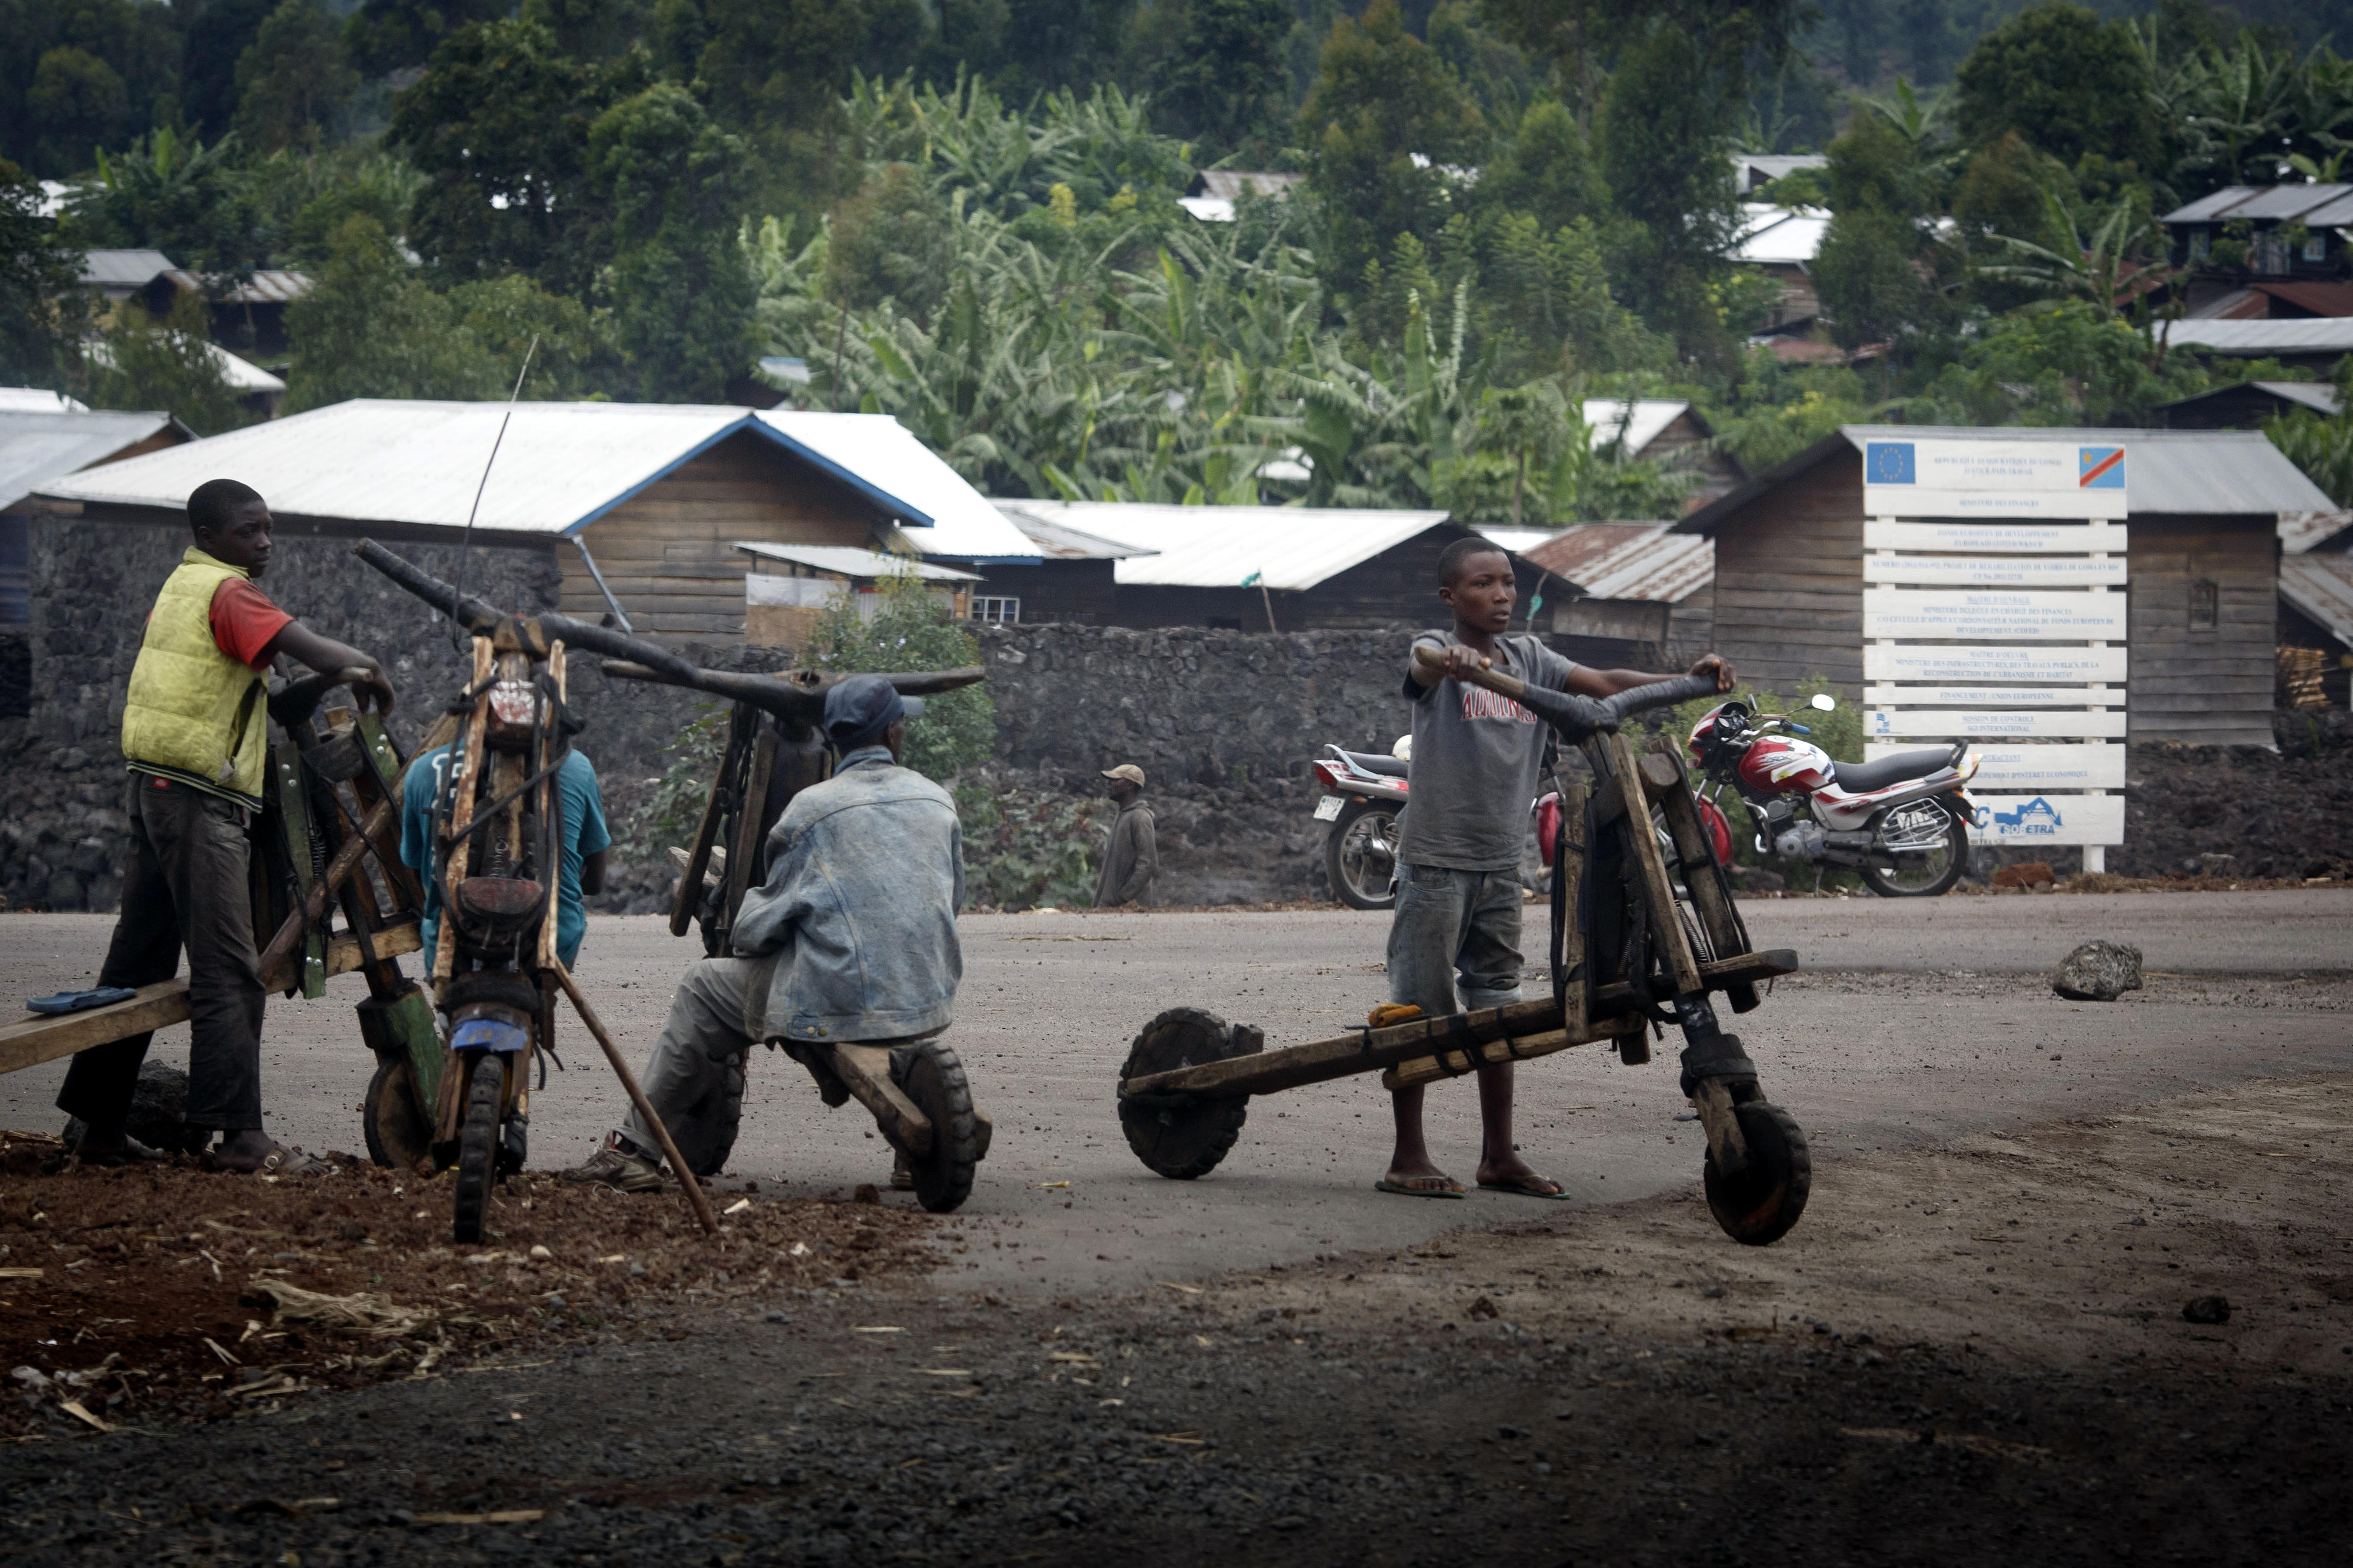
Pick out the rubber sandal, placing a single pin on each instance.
(1452, 1190)
(1521, 1189)
(283, 1162)
(78, 1001)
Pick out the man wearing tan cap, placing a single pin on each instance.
(1132, 859)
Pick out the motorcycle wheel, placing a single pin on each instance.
(1929, 873)
(1360, 854)
(478, 1145)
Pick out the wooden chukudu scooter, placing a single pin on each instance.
(919, 1096)
(1623, 944)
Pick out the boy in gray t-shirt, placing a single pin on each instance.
(1476, 756)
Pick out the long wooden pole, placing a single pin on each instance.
(289, 935)
(686, 1179)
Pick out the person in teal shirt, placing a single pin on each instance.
(585, 839)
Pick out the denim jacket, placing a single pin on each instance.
(858, 912)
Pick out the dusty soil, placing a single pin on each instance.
(156, 1293)
(1975, 1352)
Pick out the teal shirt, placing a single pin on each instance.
(585, 834)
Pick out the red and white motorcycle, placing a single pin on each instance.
(1364, 794)
(1903, 822)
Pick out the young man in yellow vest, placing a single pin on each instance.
(193, 733)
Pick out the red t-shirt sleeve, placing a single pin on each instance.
(245, 622)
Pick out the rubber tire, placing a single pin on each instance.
(935, 1080)
(1956, 843)
(1357, 807)
(399, 1137)
(1758, 1207)
(1181, 1143)
(478, 1145)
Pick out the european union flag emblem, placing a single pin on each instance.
(1887, 463)
(2100, 468)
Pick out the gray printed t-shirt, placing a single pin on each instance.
(1476, 756)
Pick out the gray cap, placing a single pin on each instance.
(861, 708)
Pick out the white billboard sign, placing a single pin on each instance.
(1969, 570)
(1993, 614)
(1959, 722)
(2023, 821)
(2026, 479)
(2003, 766)
(1975, 664)
(1991, 536)
(2021, 697)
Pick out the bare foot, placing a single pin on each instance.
(1510, 1171)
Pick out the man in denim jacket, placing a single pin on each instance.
(852, 937)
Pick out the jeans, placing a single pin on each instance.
(184, 882)
(694, 1080)
(1448, 922)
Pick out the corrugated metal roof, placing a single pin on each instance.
(2206, 209)
(2322, 587)
(1291, 548)
(267, 286)
(2287, 201)
(1785, 235)
(2339, 211)
(1645, 420)
(2215, 473)
(39, 400)
(848, 561)
(877, 451)
(1629, 561)
(241, 376)
(38, 448)
(1519, 540)
(2328, 335)
(560, 466)
(124, 268)
(1059, 542)
(2211, 473)
(2302, 531)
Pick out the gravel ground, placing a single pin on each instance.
(1964, 1352)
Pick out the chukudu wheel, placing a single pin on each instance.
(399, 1135)
(477, 1143)
(1181, 1140)
(933, 1078)
(1757, 1206)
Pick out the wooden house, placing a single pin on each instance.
(1271, 568)
(1071, 582)
(794, 587)
(2203, 509)
(642, 506)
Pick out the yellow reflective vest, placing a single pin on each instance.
(193, 709)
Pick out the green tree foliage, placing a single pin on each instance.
(2071, 363)
(173, 194)
(1224, 88)
(1027, 849)
(905, 627)
(386, 35)
(1545, 170)
(681, 292)
(1663, 140)
(1387, 131)
(2322, 447)
(893, 240)
(40, 303)
(500, 125)
(2068, 82)
(371, 328)
(145, 363)
(294, 79)
(80, 105)
(76, 75)
(217, 37)
(1868, 280)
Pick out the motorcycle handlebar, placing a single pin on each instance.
(1576, 718)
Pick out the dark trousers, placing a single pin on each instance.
(184, 883)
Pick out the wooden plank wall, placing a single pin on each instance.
(1789, 582)
(2203, 687)
(669, 551)
(1075, 593)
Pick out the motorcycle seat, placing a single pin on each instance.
(1388, 767)
(1865, 778)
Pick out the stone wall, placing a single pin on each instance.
(61, 824)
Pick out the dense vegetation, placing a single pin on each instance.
(965, 214)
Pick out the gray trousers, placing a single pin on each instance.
(1449, 923)
(185, 883)
(695, 1077)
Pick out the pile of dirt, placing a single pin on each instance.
(167, 1289)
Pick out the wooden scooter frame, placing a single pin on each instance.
(1635, 936)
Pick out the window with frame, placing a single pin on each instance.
(2201, 245)
(998, 612)
(2316, 248)
(2205, 605)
